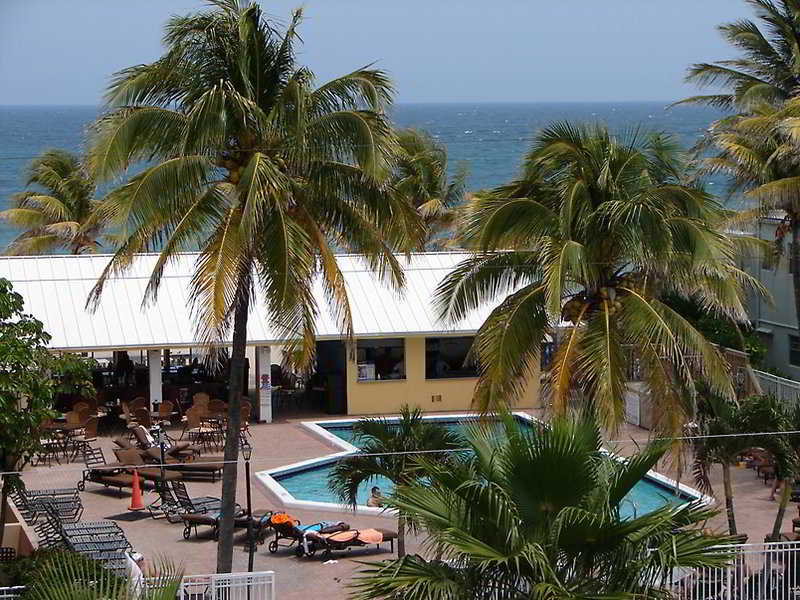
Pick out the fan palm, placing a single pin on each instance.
(586, 242)
(766, 71)
(420, 177)
(388, 448)
(62, 575)
(261, 170)
(56, 213)
(540, 515)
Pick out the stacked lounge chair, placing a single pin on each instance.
(33, 503)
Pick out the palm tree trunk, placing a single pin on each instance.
(795, 263)
(3, 505)
(401, 537)
(786, 494)
(229, 470)
(726, 478)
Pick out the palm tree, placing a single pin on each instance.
(540, 515)
(388, 448)
(724, 427)
(262, 171)
(420, 177)
(759, 154)
(766, 70)
(57, 212)
(587, 241)
(60, 575)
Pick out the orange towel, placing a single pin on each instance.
(370, 536)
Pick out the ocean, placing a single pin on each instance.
(490, 139)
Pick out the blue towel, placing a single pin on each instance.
(318, 526)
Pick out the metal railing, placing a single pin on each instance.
(229, 586)
(757, 572)
(785, 390)
(224, 586)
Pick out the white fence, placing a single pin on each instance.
(224, 586)
(785, 390)
(229, 586)
(757, 572)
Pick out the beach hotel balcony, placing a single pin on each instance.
(402, 354)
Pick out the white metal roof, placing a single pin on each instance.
(55, 289)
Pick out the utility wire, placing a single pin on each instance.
(399, 453)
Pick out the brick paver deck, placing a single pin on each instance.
(285, 442)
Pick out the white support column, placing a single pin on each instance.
(264, 384)
(154, 367)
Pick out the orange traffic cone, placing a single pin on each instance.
(136, 493)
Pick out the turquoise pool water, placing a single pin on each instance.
(312, 483)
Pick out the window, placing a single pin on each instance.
(381, 359)
(794, 350)
(548, 353)
(446, 357)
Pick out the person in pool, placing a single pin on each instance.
(375, 498)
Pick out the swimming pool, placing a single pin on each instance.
(306, 484)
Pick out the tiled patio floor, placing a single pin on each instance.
(285, 442)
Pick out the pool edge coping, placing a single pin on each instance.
(268, 483)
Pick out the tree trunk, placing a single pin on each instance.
(786, 494)
(794, 263)
(229, 470)
(726, 478)
(4, 506)
(401, 537)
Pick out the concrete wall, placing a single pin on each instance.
(777, 320)
(388, 395)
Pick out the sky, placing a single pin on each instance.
(64, 51)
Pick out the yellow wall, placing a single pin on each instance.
(388, 395)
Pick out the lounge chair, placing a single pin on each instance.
(34, 503)
(194, 512)
(288, 528)
(344, 540)
(175, 500)
(99, 471)
(132, 459)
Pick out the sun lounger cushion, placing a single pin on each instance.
(119, 480)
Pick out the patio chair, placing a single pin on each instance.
(142, 417)
(201, 399)
(82, 408)
(197, 431)
(165, 410)
(244, 422)
(7, 554)
(138, 402)
(99, 471)
(50, 446)
(81, 442)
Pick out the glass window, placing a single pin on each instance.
(794, 350)
(381, 359)
(446, 357)
(548, 352)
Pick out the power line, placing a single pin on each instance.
(399, 453)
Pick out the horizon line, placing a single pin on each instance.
(399, 103)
